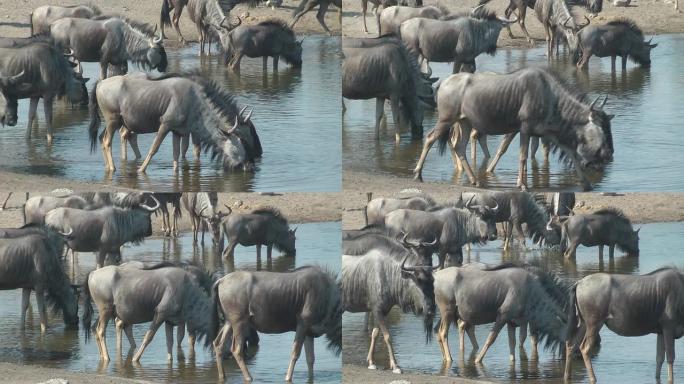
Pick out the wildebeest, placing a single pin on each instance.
(531, 101)
(384, 69)
(34, 71)
(379, 272)
(376, 209)
(102, 230)
(56, 239)
(31, 262)
(629, 306)
(460, 40)
(384, 4)
(203, 210)
(392, 17)
(263, 226)
(269, 38)
(185, 104)
(41, 17)
(110, 41)
(557, 19)
(620, 37)
(173, 198)
(503, 295)
(37, 207)
(306, 301)
(210, 20)
(451, 227)
(608, 226)
(307, 5)
(156, 294)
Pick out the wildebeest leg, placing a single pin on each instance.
(118, 328)
(443, 336)
(380, 318)
(191, 344)
(624, 62)
(611, 251)
(612, 63)
(128, 330)
(429, 142)
(592, 331)
(47, 108)
(364, 8)
(269, 251)
(570, 252)
(177, 11)
(507, 13)
(549, 43)
(660, 355)
(300, 335)
(521, 20)
(309, 349)
(470, 331)
(133, 141)
(309, 6)
(25, 297)
(33, 107)
(229, 252)
(235, 61)
(320, 16)
(460, 148)
(490, 340)
(185, 144)
(461, 335)
(176, 150)
(112, 126)
(161, 134)
(275, 62)
(511, 341)
(218, 346)
(154, 326)
(523, 335)
(102, 321)
(180, 333)
(379, 112)
(169, 340)
(239, 333)
(123, 136)
(265, 62)
(503, 147)
(396, 116)
(521, 234)
(668, 340)
(258, 252)
(600, 247)
(371, 349)
(522, 171)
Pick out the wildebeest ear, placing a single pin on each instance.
(653, 45)
(610, 117)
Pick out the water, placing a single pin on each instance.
(645, 130)
(296, 113)
(317, 243)
(621, 359)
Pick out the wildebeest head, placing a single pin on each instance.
(491, 27)
(422, 249)
(293, 53)
(552, 233)
(75, 88)
(486, 214)
(156, 54)
(594, 138)
(242, 143)
(8, 84)
(573, 30)
(422, 276)
(214, 221)
(631, 243)
(288, 244)
(642, 53)
(148, 223)
(70, 308)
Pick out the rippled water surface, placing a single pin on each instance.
(317, 243)
(296, 113)
(625, 360)
(646, 129)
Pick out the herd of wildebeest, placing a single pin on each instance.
(533, 102)
(388, 263)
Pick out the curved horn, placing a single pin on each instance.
(591, 106)
(151, 209)
(11, 79)
(202, 211)
(249, 115)
(70, 53)
(156, 40)
(242, 110)
(234, 127)
(476, 8)
(548, 225)
(404, 267)
(426, 244)
(496, 207)
(565, 23)
(467, 204)
(71, 230)
(603, 103)
(507, 21)
(230, 210)
(583, 25)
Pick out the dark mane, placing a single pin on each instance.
(502, 266)
(95, 9)
(279, 23)
(628, 23)
(483, 13)
(145, 28)
(661, 269)
(275, 212)
(611, 211)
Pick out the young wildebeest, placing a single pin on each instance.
(43, 16)
(102, 230)
(33, 71)
(31, 262)
(210, 20)
(263, 226)
(306, 301)
(384, 69)
(621, 37)
(202, 207)
(185, 104)
(269, 38)
(392, 17)
(629, 306)
(174, 199)
(503, 295)
(157, 294)
(379, 272)
(557, 19)
(460, 40)
(376, 209)
(608, 226)
(307, 5)
(451, 227)
(110, 41)
(531, 101)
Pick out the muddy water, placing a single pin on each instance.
(316, 244)
(645, 130)
(621, 359)
(296, 113)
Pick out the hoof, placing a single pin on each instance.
(396, 370)
(372, 366)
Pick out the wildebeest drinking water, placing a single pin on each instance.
(306, 301)
(203, 210)
(379, 272)
(531, 101)
(185, 104)
(156, 294)
(43, 16)
(608, 226)
(110, 41)
(629, 306)
(269, 38)
(263, 226)
(384, 69)
(32, 263)
(620, 37)
(210, 19)
(503, 295)
(557, 21)
(103, 230)
(460, 40)
(34, 71)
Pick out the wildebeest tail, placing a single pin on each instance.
(214, 321)
(87, 308)
(546, 317)
(573, 318)
(165, 16)
(443, 133)
(94, 125)
(195, 307)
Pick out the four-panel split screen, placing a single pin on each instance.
(341, 191)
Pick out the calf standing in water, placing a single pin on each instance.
(607, 226)
(263, 226)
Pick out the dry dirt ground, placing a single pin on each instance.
(22, 374)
